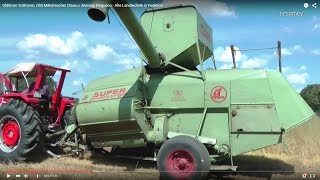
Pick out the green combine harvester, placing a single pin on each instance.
(187, 119)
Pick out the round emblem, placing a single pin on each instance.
(218, 94)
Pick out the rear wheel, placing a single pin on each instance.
(20, 130)
(183, 157)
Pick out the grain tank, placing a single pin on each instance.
(189, 117)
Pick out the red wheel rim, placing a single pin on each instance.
(180, 163)
(11, 133)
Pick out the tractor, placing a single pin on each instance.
(29, 120)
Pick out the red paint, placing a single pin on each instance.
(180, 164)
(65, 103)
(28, 98)
(58, 103)
(218, 94)
(205, 33)
(11, 133)
(109, 94)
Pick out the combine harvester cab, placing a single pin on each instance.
(188, 119)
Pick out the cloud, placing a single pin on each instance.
(286, 69)
(77, 82)
(290, 51)
(226, 66)
(298, 78)
(296, 75)
(207, 7)
(80, 67)
(35, 44)
(316, 51)
(315, 18)
(255, 62)
(101, 52)
(316, 27)
(105, 53)
(303, 68)
(286, 52)
(299, 89)
(224, 54)
(287, 29)
(128, 45)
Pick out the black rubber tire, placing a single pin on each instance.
(31, 135)
(196, 148)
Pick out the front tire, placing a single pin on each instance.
(20, 131)
(183, 157)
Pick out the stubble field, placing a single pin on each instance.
(298, 154)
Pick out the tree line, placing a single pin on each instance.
(311, 94)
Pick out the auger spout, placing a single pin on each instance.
(99, 13)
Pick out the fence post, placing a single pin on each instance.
(233, 56)
(279, 56)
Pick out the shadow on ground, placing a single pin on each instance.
(256, 167)
(250, 166)
(129, 164)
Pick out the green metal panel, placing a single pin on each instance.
(253, 88)
(176, 90)
(254, 118)
(175, 32)
(216, 126)
(108, 102)
(291, 108)
(115, 80)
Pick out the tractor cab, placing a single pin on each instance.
(5, 84)
(29, 78)
(32, 86)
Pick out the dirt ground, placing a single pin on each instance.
(297, 155)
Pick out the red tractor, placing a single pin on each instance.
(30, 119)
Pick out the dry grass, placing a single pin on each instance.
(301, 147)
(299, 152)
(97, 167)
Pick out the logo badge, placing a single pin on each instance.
(218, 94)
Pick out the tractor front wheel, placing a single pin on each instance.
(20, 131)
(183, 157)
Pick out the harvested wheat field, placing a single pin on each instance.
(298, 154)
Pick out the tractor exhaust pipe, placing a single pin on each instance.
(99, 12)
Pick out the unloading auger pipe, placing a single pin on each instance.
(99, 13)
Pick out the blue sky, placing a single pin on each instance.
(66, 37)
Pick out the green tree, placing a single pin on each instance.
(311, 94)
